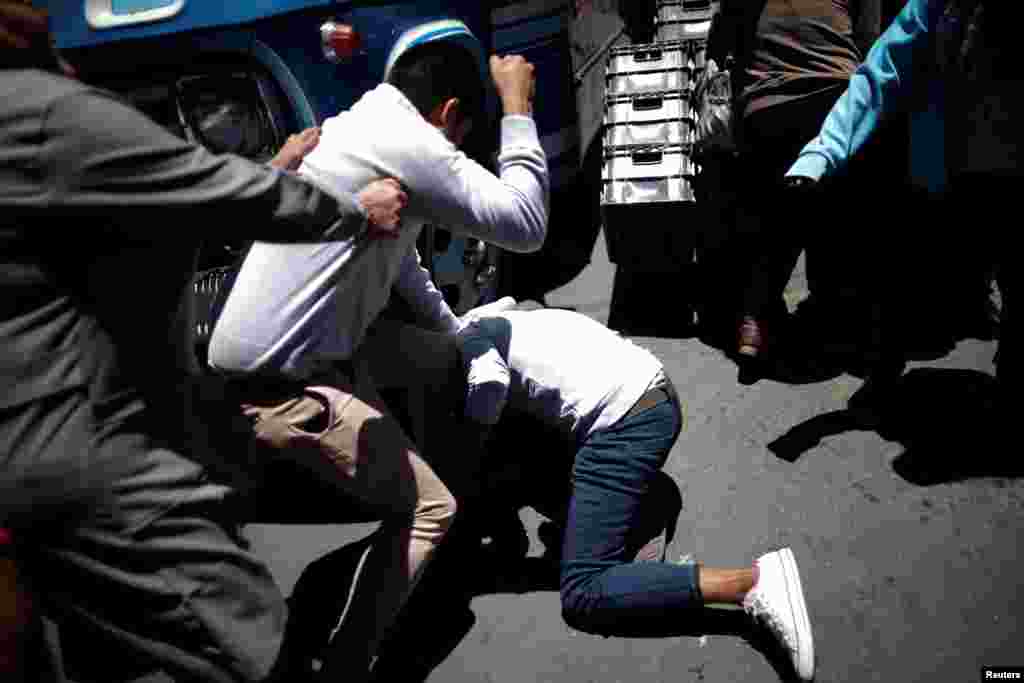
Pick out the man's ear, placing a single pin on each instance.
(449, 116)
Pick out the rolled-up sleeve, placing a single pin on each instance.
(509, 210)
(880, 87)
(110, 161)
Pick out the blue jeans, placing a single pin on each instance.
(601, 589)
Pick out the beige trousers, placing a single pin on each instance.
(346, 436)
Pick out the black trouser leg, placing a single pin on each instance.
(1008, 363)
(775, 225)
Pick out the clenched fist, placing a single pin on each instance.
(514, 79)
(383, 201)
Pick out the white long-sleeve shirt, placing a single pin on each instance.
(567, 370)
(295, 306)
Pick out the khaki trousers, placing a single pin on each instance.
(344, 434)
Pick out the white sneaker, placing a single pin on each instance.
(777, 602)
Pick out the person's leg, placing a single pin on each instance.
(875, 299)
(1008, 360)
(768, 245)
(726, 586)
(604, 593)
(774, 246)
(601, 589)
(1008, 279)
(161, 583)
(364, 452)
(772, 139)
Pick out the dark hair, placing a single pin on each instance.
(433, 73)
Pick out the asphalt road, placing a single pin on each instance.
(908, 552)
(907, 540)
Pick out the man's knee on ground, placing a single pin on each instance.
(581, 606)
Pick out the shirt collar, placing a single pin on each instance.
(391, 94)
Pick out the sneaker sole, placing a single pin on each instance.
(798, 606)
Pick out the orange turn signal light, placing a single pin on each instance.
(339, 41)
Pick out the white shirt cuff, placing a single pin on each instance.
(518, 130)
(809, 165)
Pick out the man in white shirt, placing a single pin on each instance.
(611, 400)
(300, 314)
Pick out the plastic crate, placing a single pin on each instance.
(648, 208)
(652, 118)
(683, 20)
(684, 30)
(649, 68)
(693, 5)
(685, 10)
(648, 173)
(698, 55)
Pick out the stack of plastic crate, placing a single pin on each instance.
(648, 204)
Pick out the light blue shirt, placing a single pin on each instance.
(880, 87)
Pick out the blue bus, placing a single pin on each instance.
(241, 76)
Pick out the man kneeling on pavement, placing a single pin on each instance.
(612, 401)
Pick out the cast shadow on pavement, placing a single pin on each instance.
(488, 555)
(825, 338)
(949, 422)
(439, 615)
(872, 294)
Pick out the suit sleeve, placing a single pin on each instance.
(110, 162)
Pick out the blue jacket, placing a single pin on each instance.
(884, 85)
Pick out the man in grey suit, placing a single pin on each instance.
(101, 215)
